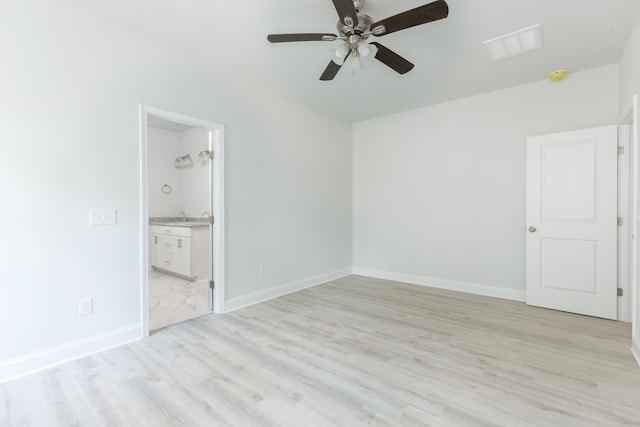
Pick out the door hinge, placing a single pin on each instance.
(211, 220)
(212, 285)
(620, 292)
(620, 149)
(620, 220)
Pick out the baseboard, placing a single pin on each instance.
(452, 285)
(37, 361)
(278, 291)
(635, 349)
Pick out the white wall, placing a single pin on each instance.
(630, 69)
(629, 86)
(189, 186)
(71, 86)
(439, 192)
(194, 181)
(163, 148)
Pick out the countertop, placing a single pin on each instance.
(179, 222)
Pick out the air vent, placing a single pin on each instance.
(514, 43)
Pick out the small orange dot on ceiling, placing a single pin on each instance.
(558, 75)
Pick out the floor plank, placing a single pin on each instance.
(352, 352)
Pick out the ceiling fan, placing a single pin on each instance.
(354, 28)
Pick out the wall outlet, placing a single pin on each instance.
(85, 306)
(262, 270)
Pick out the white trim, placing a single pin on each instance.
(217, 187)
(630, 116)
(633, 294)
(271, 293)
(218, 213)
(452, 285)
(143, 222)
(635, 350)
(37, 361)
(624, 230)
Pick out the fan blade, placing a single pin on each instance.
(346, 9)
(392, 59)
(300, 37)
(332, 69)
(418, 16)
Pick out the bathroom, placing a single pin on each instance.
(179, 210)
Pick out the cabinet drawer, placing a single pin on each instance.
(171, 231)
(162, 242)
(181, 259)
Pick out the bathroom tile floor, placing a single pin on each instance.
(173, 300)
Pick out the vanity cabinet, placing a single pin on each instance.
(183, 251)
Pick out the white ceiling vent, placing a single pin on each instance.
(514, 43)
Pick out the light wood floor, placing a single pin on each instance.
(352, 352)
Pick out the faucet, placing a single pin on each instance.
(205, 213)
(182, 215)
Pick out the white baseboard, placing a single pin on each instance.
(47, 358)
(278, 291)
(452, 285)
(635, 349)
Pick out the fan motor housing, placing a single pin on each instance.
(364, 23)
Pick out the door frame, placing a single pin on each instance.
(625, 232)
(216, 132)
(629, 117)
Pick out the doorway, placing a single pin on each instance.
(182, 256)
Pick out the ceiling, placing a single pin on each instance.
(450, 60)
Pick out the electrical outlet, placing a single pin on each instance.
(85, 306)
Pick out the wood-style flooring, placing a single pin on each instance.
(352, 352)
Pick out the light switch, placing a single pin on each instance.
(103, 217)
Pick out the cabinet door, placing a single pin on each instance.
(166, 246)
(155, 252)
(182, 255)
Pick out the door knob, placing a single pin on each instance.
(532, 229)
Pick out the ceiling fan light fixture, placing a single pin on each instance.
(366, 49)
(355, 27)
(339, 54)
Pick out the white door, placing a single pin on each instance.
(571, 244)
